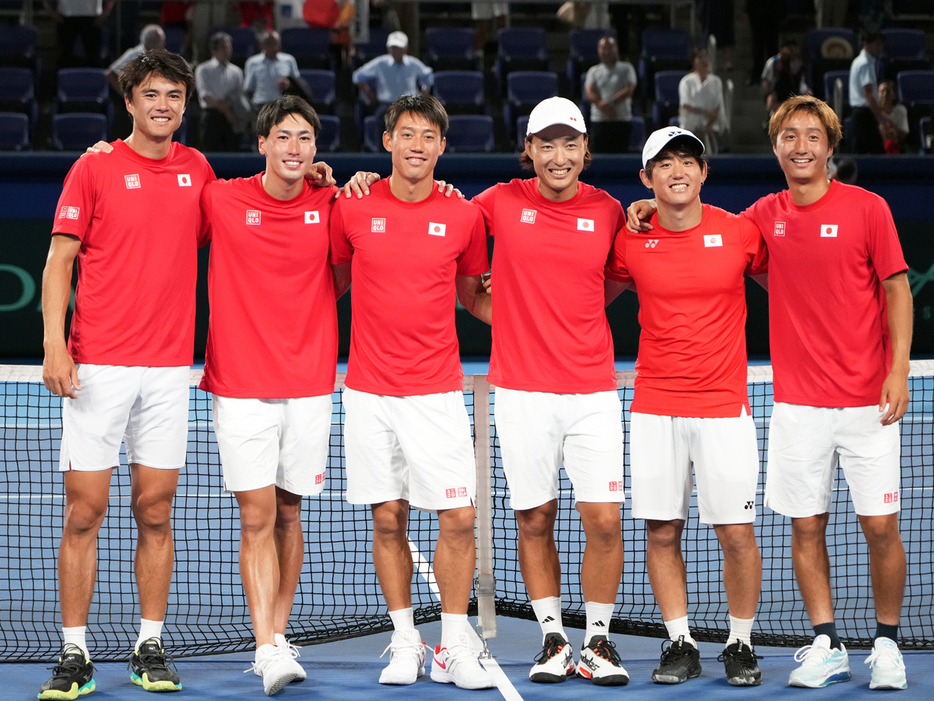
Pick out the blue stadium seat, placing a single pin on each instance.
(374, 46)
(522, 126)
(323, 84)
(815, 63)
(451, 49)
(924, 134)
(243, 40)
(372, 135)
(520, 49)
(524, 90)
(666, 97)
(461, 92)
(77, 130)
(311, 46)
(14, 131)
(582, 53)
(831, 77)
(19, 47)
(662, 50)
(470, 133)
(83, 90)
(17, 92)
(637, 135)
(916, 88)
(905, 50)
(330, 137)
(174, 39)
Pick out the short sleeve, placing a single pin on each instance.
(484, 202)
(885, 249)
(589, 78)
(616, 268)
(341, 250)
(757, 253)
(475, 258)
(76, 203)
(207, 214)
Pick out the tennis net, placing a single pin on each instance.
(338, 596)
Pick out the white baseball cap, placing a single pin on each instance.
(555, 110)
(659, 139)
(398, 39)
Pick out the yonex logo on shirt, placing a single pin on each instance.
(436, 229)
(828, 231)
(713, 241)
(67, 212)
(132, 182)
(312, 217)
(779, 228)
(651, 243)
(377, 225)
(528, 216)
(584, 224)
(184, 180)
(253, 217)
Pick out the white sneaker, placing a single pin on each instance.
(406, 658)
(555, 663)
(887, 665)
(820, 665)
(600, 663)
(458, 665)
(275, 666)
(292, 651)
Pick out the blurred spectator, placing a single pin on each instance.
(225, 111)
(875, 15)
(783, 76)
(844, 170)
(487, 16)
(700, 96)
(764, 22)
(894, 123)
(396, 74)
(830, 13)
(864, 99)
(717, 19)
(79, 18)
(270, 73)
(335, 16)
(609, 86)
(151, 37)
(257, 15)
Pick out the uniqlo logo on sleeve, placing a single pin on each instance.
(132, 182)
(779, 228)
(450, 493)
(377, 225)
(67, 212)
(253, 217)
(616, 486)
(319, 479)
(184, 180)
(312, 217)
(528, 216)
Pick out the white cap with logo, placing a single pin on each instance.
(555, 110)
(398, 39)
(659, 139)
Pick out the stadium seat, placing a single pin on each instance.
(244, 41)
(666, 97)
(582, 53)
(470, 133)
(662, 49)
(522, 126)
(174, 39)
(372, 135)
(520, 49)
(831, 77)
(14, 131)
(330, 137)
(461, 92)
(451, 49)
(905, 50)
(83, 90)
(77, 130)
(524, 90)
(311, 46)
(19, 48)
(17, 92)
(323, 84)
(916, 88)
(637, 135)
(816, 64)
(371, 48)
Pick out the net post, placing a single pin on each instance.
(486, 580)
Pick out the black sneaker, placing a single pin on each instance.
(149, 668)
(740, 662)
(680, 662)
(72, 677)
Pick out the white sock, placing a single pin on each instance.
(147, 630)
(548, 614)
(741, 629)
(680, 626)
(280, 640)
(403, 619)
(77, 636)
(454, 630)
(598, 619)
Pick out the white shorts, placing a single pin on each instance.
(418, 449)
(273, 441)
(145, 407)
(488, 10)
(725, 456)
(538, 431)
(805, 445)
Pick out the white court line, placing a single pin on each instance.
(503, 685)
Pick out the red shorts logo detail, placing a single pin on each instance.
(253, 217)
(616, 486)
(779, 228)
(377, 225)
(319, 479)
(462, 491)
(528, 216)
(450, 493)
(890, 498)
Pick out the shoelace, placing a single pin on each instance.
(887, 657)
(417, 646)
(607, 650)
(68, 665)
(743, 654)
(291, 650)
(811, 655)
(552, 647)
(674, 649)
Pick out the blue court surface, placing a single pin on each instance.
(348, 671)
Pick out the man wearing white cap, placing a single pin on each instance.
(553, 366)
(395, 73)
(690, 405)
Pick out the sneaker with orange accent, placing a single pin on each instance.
(600, 663)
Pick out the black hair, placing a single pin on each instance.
(272, 113)
(158, 62)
